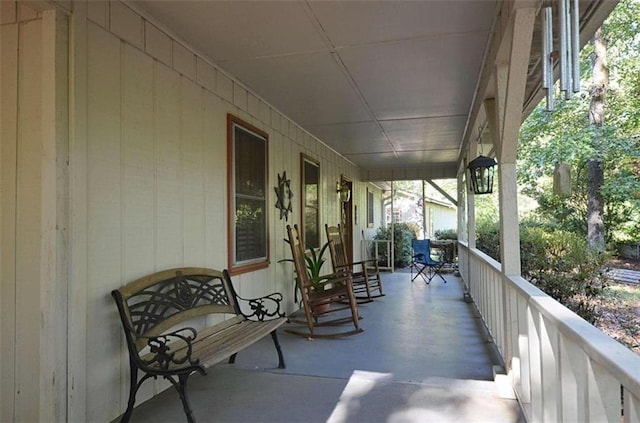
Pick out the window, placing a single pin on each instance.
(310, 201)
(247, 192)
(369, 209)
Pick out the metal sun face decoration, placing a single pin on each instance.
(284, 196)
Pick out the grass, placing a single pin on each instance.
(627, 294)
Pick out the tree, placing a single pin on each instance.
(598, 92)
(566, 136)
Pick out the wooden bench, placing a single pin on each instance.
(151, 308)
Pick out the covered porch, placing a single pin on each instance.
(126, 105)
(424, 356)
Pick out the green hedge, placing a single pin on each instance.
(403, 234)
(559, 262)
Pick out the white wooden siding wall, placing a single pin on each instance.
(21, 83)
(444, 217)
(8, 158)
(155, 172)
(28, 204)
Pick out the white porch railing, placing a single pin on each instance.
(379, 249)
(562, 368)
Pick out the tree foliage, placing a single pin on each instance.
(565, 136)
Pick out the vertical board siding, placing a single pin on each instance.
(138, 163)
(28, 202)
(192, 172)
(215, 148)
(168, 171)
(8, 152)
(138, 181)
(105, 227)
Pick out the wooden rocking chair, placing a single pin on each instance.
(331, 292)
(365, 274)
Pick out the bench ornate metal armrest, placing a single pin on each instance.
(161, 349)
(262, 308)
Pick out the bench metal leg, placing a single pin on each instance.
(181, 387)
(133, 388)
(274, 336)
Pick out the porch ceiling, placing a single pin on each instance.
(388, 84)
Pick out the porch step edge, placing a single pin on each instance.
(503, 383)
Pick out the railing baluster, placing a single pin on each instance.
(603, 393)
(572, 381)
(631, 407)
(550, 385)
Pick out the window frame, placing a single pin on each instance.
(304, 159)
(249, 265)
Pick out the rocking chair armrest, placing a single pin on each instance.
(362, 263)
(263, 308)
(334, 278)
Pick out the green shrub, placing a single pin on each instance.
(447, 234)
(562, 265)
(403, 234)
(558, 262)
(488, 239)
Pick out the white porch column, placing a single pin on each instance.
(471, 209)
(505, 117)
(33, 194)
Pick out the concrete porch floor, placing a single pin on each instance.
(423, 357)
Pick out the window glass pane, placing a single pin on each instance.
(311, 195)
(311, 232)
(250, 164)
(310, 201)
(250, 224)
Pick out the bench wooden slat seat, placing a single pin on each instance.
(152, 307)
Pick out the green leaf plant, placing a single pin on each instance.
(314, 260)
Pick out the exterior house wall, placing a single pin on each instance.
(444, 217)
(145, 191)
(156, 178)
(21, 76)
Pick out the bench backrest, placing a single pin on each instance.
(153, 304)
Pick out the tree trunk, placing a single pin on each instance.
(595, 202)
(595, 206)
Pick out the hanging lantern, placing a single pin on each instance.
(482, 170)
(342, 188)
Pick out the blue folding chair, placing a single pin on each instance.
(423, 263)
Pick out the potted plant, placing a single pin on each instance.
(314, 260)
